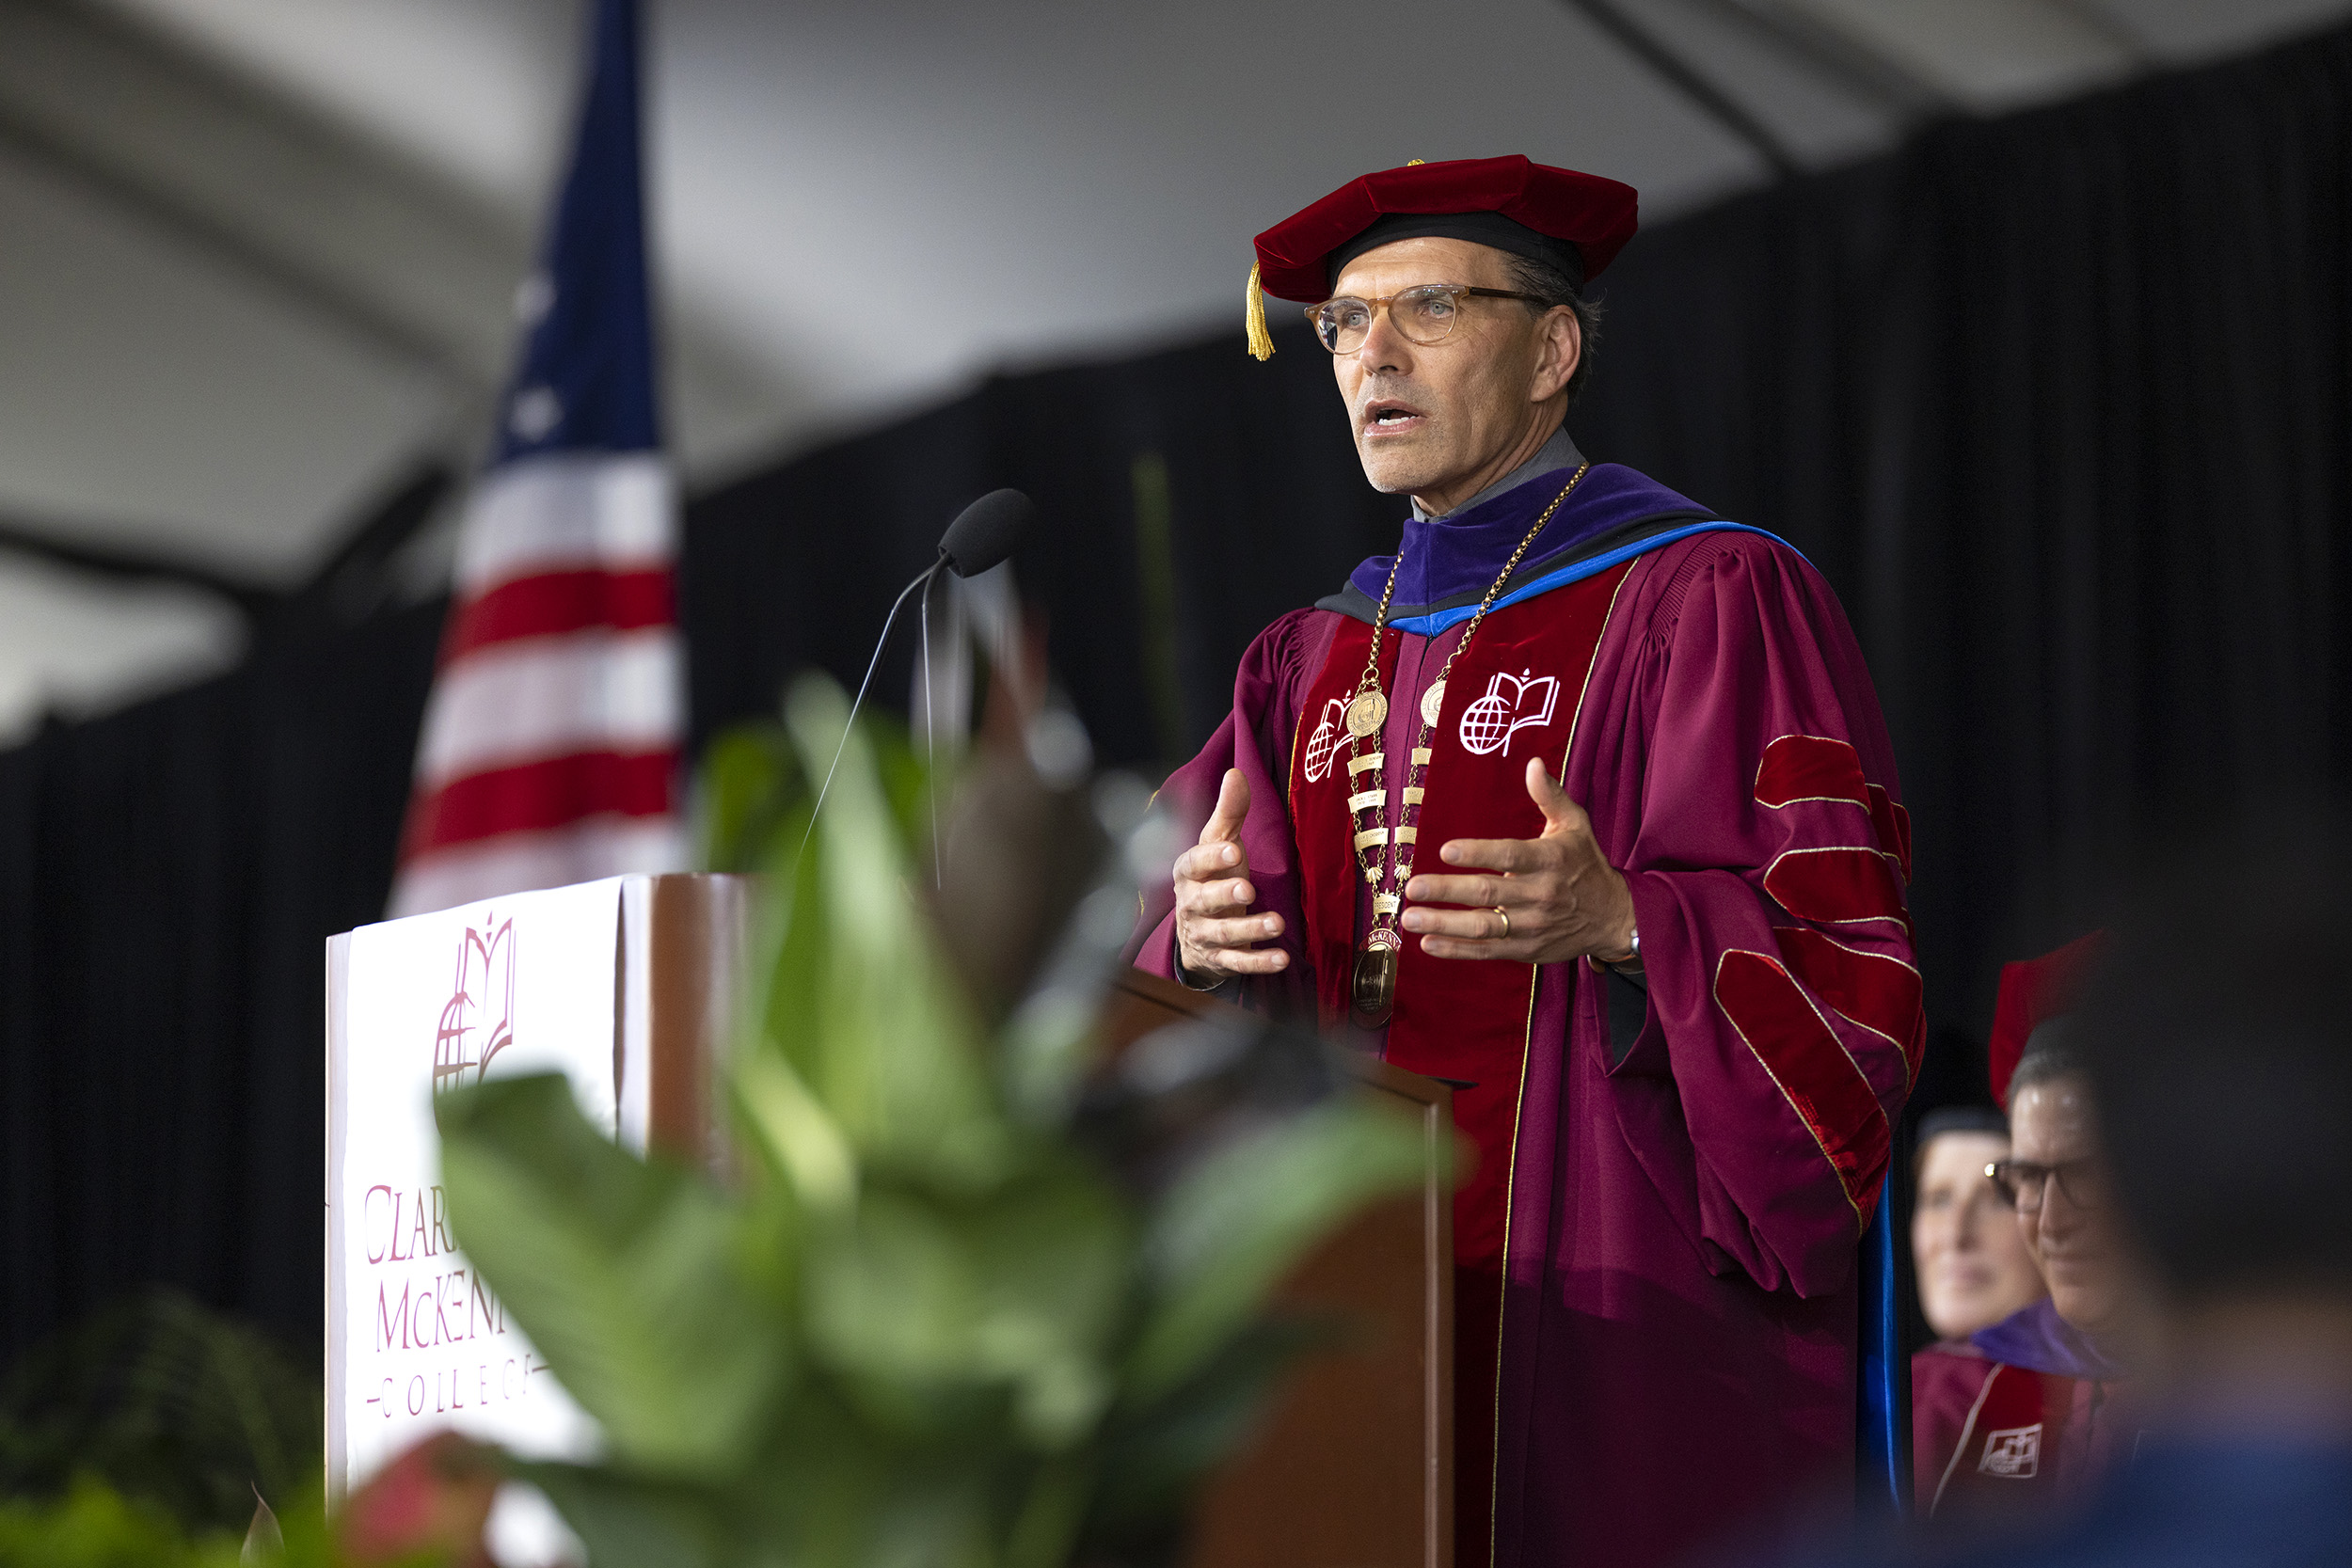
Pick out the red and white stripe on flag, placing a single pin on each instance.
(551, 742)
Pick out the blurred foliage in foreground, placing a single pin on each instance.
(149, 1434)
(94, 1526)
(938, 1318)
(185, 1413)
(969, 1300)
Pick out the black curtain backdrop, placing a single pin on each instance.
(167, 877)
(2058, 402)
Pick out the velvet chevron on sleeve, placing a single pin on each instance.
(1767, 866)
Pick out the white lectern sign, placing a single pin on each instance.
(622, 987)
(417, 1007)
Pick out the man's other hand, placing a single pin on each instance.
(1215, 927)
(1562, 897)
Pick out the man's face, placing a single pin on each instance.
(2074, 1235)
(1431, 420)
(1971, 1258)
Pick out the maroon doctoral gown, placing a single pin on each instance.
(2019, 1419)
(1656, 1304)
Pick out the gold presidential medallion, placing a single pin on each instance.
(1372, 993)
(1433, 704)
(1367, 713)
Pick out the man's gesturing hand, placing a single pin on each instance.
(1213, 926)
(1563, 898)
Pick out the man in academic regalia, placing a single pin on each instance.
(1664, 945)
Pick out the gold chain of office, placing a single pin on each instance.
(1385, 858)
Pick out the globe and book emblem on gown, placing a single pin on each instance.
(1488, 724)
(2014, 1454)
(1325, 742)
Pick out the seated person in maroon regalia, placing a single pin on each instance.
(2224, 1122)
(2038, 1407)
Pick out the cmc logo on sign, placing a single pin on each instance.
(478, 1019)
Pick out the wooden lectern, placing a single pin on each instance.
(1355, 1467)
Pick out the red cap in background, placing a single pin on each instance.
(2032, 990)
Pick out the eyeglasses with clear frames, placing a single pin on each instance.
(1424, 314)
(2024, 1182)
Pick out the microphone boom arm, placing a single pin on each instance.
(921, 579)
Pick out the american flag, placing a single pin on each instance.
(551, 742)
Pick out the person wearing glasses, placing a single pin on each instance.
(2218, 1158)
(1582, 801)
(2035, 1409)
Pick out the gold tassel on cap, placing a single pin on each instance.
(1261, 340)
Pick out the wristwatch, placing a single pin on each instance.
(1183, 979)
(1631, 956)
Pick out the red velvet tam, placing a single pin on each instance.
(1576, 221)
(2035, 993)
(1593, 215)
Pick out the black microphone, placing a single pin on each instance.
(982, 535)
(985, 532)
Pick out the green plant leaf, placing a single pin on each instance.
(167, 1401)
(627, 1276)
(1054, 1254)
(1052, 1513)
(1225, 1233)
(625, 1520)
(749, 778)
(933, 1310)
(95, 1526)
(894, 1296)
(861, 1002)
(836, 1492)
(804, 1143)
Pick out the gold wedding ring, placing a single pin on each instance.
(1507, 922)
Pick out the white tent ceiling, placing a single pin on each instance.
(260, 251)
